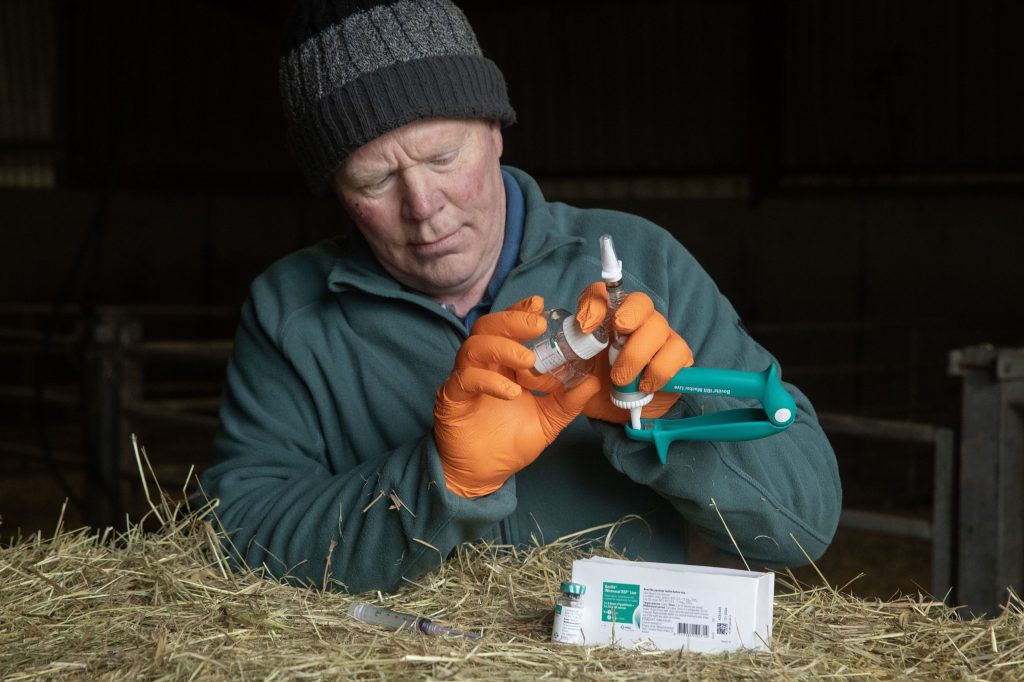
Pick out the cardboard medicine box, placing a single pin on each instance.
(675, 606)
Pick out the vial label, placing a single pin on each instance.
(568, 375)
(568, 627)
(548, 356)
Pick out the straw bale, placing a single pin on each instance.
(138, 605)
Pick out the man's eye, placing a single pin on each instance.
(376, 183)
(444, 159)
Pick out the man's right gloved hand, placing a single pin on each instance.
(653, 348)
(486, 425)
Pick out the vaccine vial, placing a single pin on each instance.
(564, 351)
(568, 626)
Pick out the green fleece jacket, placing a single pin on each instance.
(326, 451)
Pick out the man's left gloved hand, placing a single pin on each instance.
(653, 348)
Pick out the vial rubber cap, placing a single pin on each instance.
(574, 588)
(584, 345)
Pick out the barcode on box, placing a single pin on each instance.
(693, 629)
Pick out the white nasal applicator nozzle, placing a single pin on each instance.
(611, 266)
(634, 402)
(611, 273)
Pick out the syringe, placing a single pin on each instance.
(627, 397)
(378, 615)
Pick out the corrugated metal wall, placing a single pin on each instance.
(613, 87)
(876, 85)
(835, 86)
(26, 93)
(185, 94)
(172, 95)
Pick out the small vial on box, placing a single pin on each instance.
(568, 626)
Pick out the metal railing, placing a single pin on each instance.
(940, 528)
(991, 481)
(108, 399)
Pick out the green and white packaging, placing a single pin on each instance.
(675, 606)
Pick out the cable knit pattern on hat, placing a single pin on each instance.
(353, 71)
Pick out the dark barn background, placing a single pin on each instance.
(849, 171)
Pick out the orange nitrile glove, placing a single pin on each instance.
(486, 425)
(652, 344)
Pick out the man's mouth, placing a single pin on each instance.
(438, 247)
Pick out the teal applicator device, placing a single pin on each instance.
(777, 411)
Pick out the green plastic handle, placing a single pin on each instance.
(776, 414)
(765, 386)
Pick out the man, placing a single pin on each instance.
(366, 431)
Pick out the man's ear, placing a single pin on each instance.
(336, 183)
(499, 141)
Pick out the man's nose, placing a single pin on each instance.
(422, 198)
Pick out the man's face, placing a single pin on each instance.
(429, 199)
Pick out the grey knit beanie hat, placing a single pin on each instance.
(354, 70)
